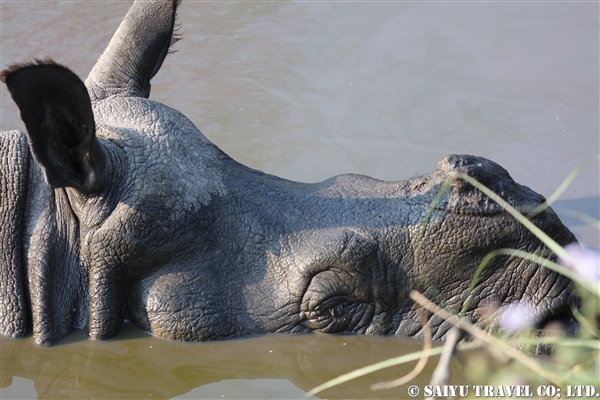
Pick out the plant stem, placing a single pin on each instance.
(485, 337)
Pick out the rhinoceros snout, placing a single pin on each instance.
(464, 197)
(482, 169)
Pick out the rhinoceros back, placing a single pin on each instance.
(14, 161)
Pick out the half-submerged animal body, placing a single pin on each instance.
(115, 206)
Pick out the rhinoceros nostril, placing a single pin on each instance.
(460, 160)
(479, 168)
(467, 164)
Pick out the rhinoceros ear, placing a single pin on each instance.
(56, 109)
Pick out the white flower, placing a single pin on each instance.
(516, 316)
(586, 261)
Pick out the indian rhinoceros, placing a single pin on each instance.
(116, 206)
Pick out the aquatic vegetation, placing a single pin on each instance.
(508, 351)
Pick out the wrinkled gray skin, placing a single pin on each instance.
(115, 206)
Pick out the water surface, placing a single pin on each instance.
(308, 90)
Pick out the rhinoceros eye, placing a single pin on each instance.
(337, 311)
(339, 296)
(336, 307)
(332, 315)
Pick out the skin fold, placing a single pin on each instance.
(116, 206)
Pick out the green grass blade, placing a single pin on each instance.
(563, 186)
(357, 373)
(586, 219)
(541, 235)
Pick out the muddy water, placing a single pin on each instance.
(307, 90)
(139, 366)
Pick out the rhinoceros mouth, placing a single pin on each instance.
(560, 311)
(550, 312)
(543, 321)
(561, 318)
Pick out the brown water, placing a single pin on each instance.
(307, 90)
(136, 365)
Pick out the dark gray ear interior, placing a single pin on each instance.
(57, 112)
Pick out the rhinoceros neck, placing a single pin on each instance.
(13, 187)
(344, 200)
(168, 136)
(38, 250)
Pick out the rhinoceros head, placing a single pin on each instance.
(116, 206)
